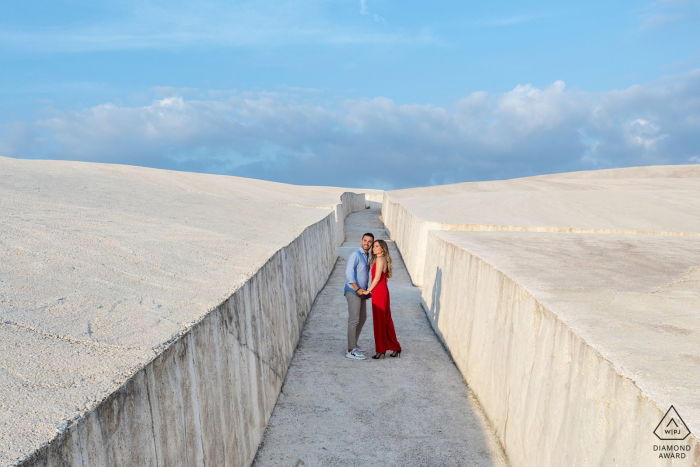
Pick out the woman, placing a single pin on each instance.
(384, 334)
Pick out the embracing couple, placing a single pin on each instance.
(372, 257)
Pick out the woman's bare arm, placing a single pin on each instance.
(379, 267)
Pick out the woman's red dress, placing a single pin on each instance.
(384, 333)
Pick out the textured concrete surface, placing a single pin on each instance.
(651, 200)
(103, 268)
(567, 337)
(412, 411)
(569, 303)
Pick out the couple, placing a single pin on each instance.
(358, 289)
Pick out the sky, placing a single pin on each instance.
(358, 93)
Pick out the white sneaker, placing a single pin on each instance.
(355, 355)
(359, 349)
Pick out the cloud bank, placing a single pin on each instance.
(304, 138)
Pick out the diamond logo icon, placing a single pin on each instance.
(672, 427)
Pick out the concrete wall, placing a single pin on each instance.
(349, 203)
(552, 398)
(411, 233)
(206, 399)
(374, 200)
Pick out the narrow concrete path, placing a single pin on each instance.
(412, 411)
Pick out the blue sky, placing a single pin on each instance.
(416, 93)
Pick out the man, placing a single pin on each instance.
(357, 280)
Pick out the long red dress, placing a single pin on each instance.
(384, 333)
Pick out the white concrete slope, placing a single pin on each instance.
(408, 411)
(579, 202)
(148, 317)
(575, 344)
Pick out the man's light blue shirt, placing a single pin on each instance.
(357, 270)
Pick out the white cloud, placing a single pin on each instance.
(645, 133)
(300, 137)
(666, 13)
(365, 11)
(363, 7)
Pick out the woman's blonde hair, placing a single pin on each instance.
(385, 249)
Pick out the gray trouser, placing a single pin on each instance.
(357, 315)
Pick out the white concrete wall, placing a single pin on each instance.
(374, 200)
(410, 235)
(205, 400)
(349, 203)
(552, 399)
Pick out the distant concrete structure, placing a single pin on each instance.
(374, 200)
(570, 303)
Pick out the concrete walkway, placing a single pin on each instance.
(415, 410)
